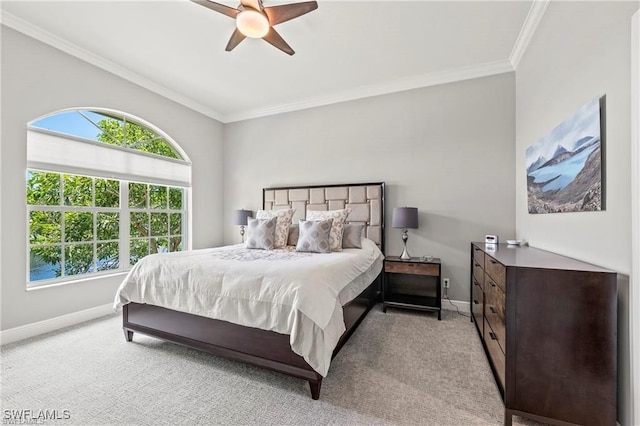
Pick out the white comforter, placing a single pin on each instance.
(300, 294)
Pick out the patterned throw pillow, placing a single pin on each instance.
(261, 233)
(282, 227)
(339, 219)
(314, 236)
(352, 236)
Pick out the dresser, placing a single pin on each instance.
(548, 326)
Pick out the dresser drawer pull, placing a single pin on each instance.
(476, 302)
(493, 336)
(493, 284)
(493, 311)
(493, 261)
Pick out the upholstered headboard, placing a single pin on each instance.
(366, 201)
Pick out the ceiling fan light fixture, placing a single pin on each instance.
(252, 23)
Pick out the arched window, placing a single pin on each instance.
(103, 189)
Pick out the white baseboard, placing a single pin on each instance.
(451, 306)
(25, 331)
(41, 327)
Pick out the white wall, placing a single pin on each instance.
(38, 79)
(579, 51)
(635, 212)
(447, 150)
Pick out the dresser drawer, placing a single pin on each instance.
(478, 273)
(494, 310)
(477, 303)
(478, 256)
(496, 271)
(495, 353)
(431, 269)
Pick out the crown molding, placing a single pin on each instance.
(59, 43)
(400, 85)
(531, 22)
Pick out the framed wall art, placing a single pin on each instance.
(564, 168)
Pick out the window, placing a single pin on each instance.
(155, 219)
(99, 200)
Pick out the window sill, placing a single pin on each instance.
(76, 280)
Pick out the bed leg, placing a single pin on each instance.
(315, 388)
(128, 335)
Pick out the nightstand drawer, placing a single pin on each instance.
(412, 268)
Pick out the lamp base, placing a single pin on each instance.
(405, 254)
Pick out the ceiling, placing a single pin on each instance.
(344, 50)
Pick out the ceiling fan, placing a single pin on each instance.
(256, 21)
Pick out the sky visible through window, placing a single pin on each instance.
(73, 123)
(108, 128)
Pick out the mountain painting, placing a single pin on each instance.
(564, 168)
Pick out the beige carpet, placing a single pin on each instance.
(400, 368)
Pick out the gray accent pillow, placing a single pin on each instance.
(314, 236)
(261, 233)
(339, 219)
(294, 232)
(352, 236)
(282, 226)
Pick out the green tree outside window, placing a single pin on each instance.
(74, 221)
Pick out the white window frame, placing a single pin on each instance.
(72, 155)
(150, 210)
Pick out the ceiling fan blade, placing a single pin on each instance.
(285, 12)
(253, 4)
(235, 40)
(276, 40)
(221, 8)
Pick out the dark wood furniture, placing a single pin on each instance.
(412, 284)
(253, 346)
(264, 348)
(548, 327)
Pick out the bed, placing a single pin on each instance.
(240, 340)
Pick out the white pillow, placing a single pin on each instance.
(282, 225)
(337, 229)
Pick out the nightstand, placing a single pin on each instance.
(412, 284)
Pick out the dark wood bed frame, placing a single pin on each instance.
(253, 346)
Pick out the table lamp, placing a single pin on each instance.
(240, 217)
(405, 217)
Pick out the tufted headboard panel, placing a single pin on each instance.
(366, 201)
